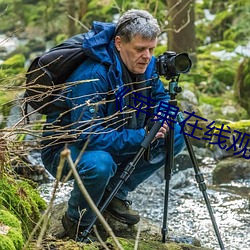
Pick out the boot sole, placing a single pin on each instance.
(121, 219)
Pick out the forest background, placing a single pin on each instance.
(214, 33)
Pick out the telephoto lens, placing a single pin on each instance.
(170, 64)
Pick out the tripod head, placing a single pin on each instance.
(174, 89)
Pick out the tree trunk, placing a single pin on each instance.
(71, 6)
(181, 27)
(83, 7)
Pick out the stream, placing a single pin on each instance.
(187, 212)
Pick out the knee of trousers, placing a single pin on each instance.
(98, 165)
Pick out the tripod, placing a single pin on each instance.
(173, 90)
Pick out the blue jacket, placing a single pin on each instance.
(93, 109)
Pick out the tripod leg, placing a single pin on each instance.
(168, 173)
(202, 186)
(126, 173)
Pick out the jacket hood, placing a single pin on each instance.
(98, 43)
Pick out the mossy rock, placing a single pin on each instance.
(219, 105)
(125, 243)
(242, 84)
(231, 169)
(150, 235)
(242, 126)
(21, 199)
(231, 133)
(128, 244)
(11, 237)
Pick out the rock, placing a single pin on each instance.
(149, 237)
(230, 169)
(189, 96)
(206, 109)
(227, 110)
(30, 167)
(181, 179)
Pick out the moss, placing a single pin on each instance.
(214, 101)
(219, 104)
(242, 84)
(128, 244)
(60, 38)
(13, 239)
(6, 243)
(16, 61)
(22, 200)
(9, 219)
(228, 45)
(220, 24)
(6, 96)
(66, 245)
(93, 246)
(13, 70)
(242, 126)
(16, 237)
(225, 75)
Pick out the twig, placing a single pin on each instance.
(77, 21)
(66, 154)
(137, 236)
(99, 238)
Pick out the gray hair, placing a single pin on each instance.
(137, 22)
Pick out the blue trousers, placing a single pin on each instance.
(100, 170)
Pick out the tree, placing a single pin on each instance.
(181, 26)
(76, 11)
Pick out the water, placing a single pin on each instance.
(187, 211)
(188, 214)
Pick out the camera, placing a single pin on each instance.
(171, 65)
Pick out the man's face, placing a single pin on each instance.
(137, 53)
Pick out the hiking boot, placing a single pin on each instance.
(75, 231)
(121, 211)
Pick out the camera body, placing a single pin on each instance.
(171, 65)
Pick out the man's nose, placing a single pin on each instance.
(146, 54)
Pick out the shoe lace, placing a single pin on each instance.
(127, 203)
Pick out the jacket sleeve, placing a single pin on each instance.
(88, 115)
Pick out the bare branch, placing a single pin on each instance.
(66, 154)
(77, 21)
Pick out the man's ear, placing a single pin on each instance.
(118, 42)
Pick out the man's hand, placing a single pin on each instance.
(162, 131)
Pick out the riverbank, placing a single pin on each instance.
(188, 216)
